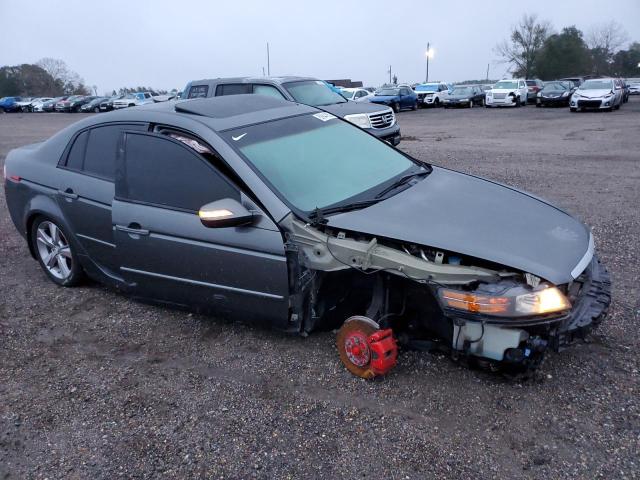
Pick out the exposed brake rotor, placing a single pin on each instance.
(364, 349)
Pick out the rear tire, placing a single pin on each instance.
(396, 107)
(96, 110)
(414, 107)
(470, 103)
(55, 252)
(436, 102)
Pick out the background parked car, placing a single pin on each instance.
(24, 104)
(38, 103)
(533, 87)
(634, 88)
(380, 122)
(93, 105)
(557, 93)
(598, 94)
(107, 105)
(508, 93)
(72, 103)
(356, 94)
(625, 89)
(9, 104)
(397, 98)
(431, 94)
(577, 81)
(50, 106)
(133, 100)
(464, 96)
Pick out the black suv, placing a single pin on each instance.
(375, 119)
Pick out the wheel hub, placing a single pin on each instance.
(357, 348)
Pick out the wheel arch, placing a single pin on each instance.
(44, 206)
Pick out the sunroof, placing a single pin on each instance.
(229, 105)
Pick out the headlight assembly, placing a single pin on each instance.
(515, 301)
(359, 119)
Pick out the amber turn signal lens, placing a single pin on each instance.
(474, 303)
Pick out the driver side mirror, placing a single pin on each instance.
(224, 213)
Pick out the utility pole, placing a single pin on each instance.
(487, 72)
(389, 74)
(268, 61)
(426, 80)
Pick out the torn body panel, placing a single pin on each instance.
(336, 275)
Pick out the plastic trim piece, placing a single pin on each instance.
(586, 259)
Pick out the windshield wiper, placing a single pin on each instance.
(402, 181)
(318, 215)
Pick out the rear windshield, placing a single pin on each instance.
(462, 91)
(505, 85)
(313, 92)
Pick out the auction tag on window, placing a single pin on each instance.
(324, 116)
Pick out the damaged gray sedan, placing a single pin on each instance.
(261, 209)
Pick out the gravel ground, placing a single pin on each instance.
(94, 385)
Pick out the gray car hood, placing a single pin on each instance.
(479, 218)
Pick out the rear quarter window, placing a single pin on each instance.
(198, 91)
(233, 89)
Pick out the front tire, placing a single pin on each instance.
(396, 107)
(414, 107)
(470, 103)
(55, 252)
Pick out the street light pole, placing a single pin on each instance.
(426, 80)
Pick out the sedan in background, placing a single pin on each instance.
(73, 103)
(464, 96)
(38, 104)
(597, 94)
(356, 94)
(533, 87)
(557, 94)
(93, 105)
(9, 104)
(397, 98)
(634, 89)
(107, 105)
(50, 106)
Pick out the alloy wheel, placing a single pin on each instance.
(54, 250)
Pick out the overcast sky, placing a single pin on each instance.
(163, 44)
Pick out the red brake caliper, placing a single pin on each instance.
(384, 351)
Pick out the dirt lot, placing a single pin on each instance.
(94, 385)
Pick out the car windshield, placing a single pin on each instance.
(597, 85)
(388, 91)
(549, 87)
(427, 88)
(461, 91)
(313, 92)
(505, 85)
(532, 83)
(347, 94)
(315, 161)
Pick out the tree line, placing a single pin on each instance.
(535, 50)
(51, 77)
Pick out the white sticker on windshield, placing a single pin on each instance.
(324, 116)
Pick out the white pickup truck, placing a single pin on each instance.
(133, 100)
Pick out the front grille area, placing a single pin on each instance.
(589, 103)
(499, 96)
(382, 119)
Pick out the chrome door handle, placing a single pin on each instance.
(132, 231)
(68, 193)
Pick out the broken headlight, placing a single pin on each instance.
(511, 301)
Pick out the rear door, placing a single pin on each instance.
(87, 193)
(166, 254)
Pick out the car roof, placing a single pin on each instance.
(217, 113)
(278, 80)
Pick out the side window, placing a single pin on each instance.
(267, 90)
(146, 95)
(164, 172)
(404, 91)
(361, 94)
(198, 91)
(102, 144)
(233, 89)
(75, 158)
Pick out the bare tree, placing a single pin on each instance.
(68, 80)
(607, 37)
(526, 39)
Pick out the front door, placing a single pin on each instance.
(166, 254)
